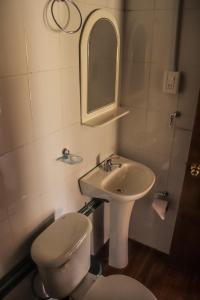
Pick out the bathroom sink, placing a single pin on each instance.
(121, 181)
(127, 182)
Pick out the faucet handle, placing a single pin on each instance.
(108, 161)
(107, 165)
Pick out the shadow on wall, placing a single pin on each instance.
(15, 237)
(98, 229)
(137, 44)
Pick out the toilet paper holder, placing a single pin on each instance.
(164, 195)
(161, 203)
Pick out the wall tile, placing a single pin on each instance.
(69, 50)
(117, 4)
(190, 39)
(19, 177)
(8, 184)
(163, 4)
(135, 84)
(139, 4)
(43, 43)
(24, 222)
(97, 3)
(181, 145)
(4, 137)
(152, 230)
(132, 131)
(138, 36)
(70, 94)
(159, 135)
(6, 241)
(15, 118)
(192, 4)
(159, 163)
(3, 208)
(164, 37)
(45, 102)
(188, 98)
(13, 44)
(109, 144)
(47, 150)
(27, 170)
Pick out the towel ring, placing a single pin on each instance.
(47, 21)
(56, 22)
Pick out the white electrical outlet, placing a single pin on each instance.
(171, 82)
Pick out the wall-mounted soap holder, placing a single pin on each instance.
(69, 158)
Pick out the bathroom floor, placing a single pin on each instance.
(166, 278)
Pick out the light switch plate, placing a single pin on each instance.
(171, 82)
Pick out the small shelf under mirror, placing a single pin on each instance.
(107, 117)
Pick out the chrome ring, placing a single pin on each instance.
(46, 20)
(59, 26)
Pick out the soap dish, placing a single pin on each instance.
(69, 158)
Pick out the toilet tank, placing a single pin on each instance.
(62, 254)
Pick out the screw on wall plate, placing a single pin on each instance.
(65, 152)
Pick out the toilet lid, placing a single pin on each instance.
(118, 287)
(59, 241)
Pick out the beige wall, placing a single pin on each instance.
(39, 116)
(145, 134)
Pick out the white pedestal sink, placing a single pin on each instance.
(121, 186)
(120, 214)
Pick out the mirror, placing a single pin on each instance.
(102, 55)
(100, 52)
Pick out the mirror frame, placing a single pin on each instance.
(84, 56)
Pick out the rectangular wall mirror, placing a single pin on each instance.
(100, 56)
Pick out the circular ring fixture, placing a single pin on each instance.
(67, 5)
(47, 21)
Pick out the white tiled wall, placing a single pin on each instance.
(145, 135)
(39, 116)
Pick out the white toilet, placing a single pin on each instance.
(62, 254)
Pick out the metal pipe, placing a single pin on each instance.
(177, 39)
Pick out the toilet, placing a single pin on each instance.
(62, 255)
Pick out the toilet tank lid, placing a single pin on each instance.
(54, 246)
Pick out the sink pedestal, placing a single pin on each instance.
(122, 184)
(120, 213)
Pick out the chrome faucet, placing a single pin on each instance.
(108, 164)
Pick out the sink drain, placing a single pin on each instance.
(119, 190)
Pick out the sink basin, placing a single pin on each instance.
(125, 183)
(129, 182)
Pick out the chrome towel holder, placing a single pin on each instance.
(64, 28)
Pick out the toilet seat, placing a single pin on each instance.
(118, 287)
